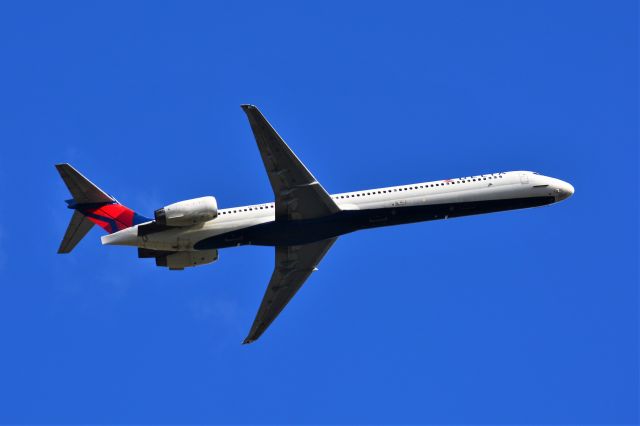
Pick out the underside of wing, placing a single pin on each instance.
(298, 195)
(293, 265)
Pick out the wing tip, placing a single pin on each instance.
(248, 107)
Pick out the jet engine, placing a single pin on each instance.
(186, 259)
(188, 212)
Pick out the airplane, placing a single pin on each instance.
(302, 223)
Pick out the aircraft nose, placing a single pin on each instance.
(565, 190)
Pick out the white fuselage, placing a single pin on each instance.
(518, 185)
(302, 223)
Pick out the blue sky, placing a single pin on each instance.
(520, 317)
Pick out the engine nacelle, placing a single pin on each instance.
(187, 259)
(188, 212)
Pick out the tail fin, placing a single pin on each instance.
(92, 206)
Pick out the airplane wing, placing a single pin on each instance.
(78, 228)
(297, 193)
(293, 266)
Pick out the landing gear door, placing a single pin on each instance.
(524, 178)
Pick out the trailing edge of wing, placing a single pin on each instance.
(298, 195)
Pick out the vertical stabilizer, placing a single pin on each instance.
(91, 206)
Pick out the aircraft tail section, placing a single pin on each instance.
(91, 206)
(77, 229)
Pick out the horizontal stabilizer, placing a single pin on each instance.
(77, 229)
(81, 188)
(91, 206)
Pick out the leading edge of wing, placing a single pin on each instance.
(293, 265)
(298, 194)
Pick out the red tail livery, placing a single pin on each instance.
(92, 206)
